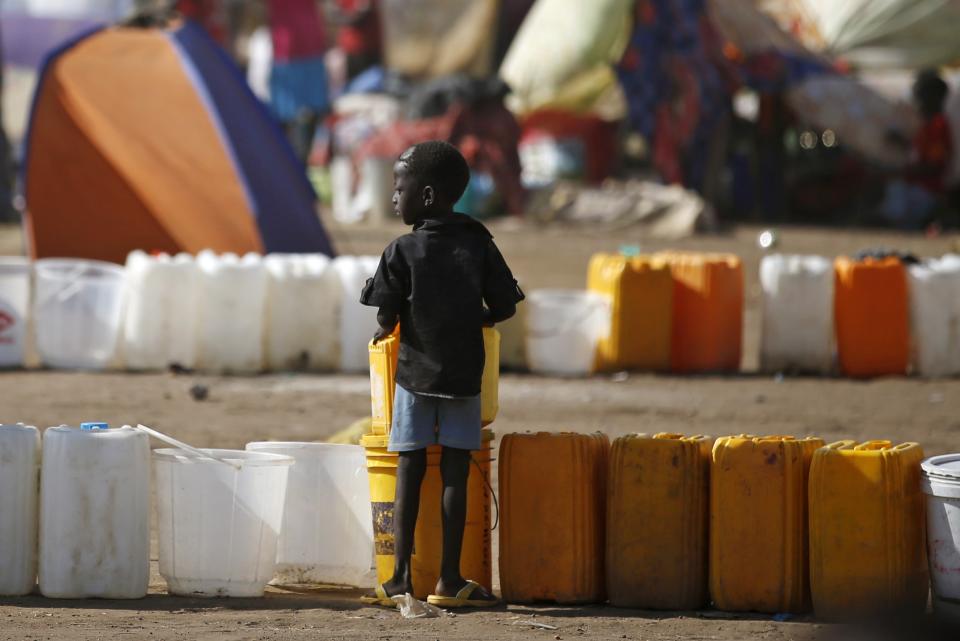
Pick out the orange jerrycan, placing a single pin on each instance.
(640, 291)
(552, 495)
(707, 311)
(383, 372)
(758, 523)
(867, 539)
(476, 559)
(657, 511)
(872, 316)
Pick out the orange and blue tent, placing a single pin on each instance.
(150, 139)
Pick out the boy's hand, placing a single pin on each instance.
(380, 334)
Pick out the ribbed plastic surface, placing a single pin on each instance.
(935, 316)
(758, 523)
(552, 517)
(383, 372)
(95, 513)
(872, 317)
(707, 311)
(19, 481)
(867, 541)
(657, 512)
(640, 291)
(797, 313)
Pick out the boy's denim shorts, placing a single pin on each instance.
(420, 421)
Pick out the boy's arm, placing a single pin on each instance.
(501, 292)
(386, 291)
(387, 318)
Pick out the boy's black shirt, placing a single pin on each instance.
(438, 278)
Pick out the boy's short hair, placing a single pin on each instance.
(440, 163)
(930, 87)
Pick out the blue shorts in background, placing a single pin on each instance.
(420, 421)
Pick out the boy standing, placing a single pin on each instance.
(442, 282)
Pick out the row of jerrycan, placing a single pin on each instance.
(750, 523)
(243, 314)
(879, 316)
(670, 311)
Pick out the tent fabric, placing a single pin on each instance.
(149, 139)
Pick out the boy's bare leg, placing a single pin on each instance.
(454, 471)
(411, 468)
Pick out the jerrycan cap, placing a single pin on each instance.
(94, 426)
(943, 466)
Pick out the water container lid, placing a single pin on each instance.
(94, 426)
(943, 466)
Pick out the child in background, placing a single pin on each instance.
(442, 282)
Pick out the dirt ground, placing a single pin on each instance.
(311, 407)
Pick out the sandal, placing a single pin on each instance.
(463, 600)
(380, 598)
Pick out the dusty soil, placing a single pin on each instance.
(309, 407)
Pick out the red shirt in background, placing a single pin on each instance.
(297, 29)
(361, 35)
(933, 148)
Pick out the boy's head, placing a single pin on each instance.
(930, 92)
(428, 179)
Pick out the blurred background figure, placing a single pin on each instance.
(7, 211)
(359, 34)
(911, 199)
(299, 94)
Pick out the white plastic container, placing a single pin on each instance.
(358, 323)
(563, 329)
(77, 312)
(302, 312)
(797, 302)
(934, 288)
(160, 324)
(218, 525)
(19, 476)
(231, 313)
(513, 339)
(95, 513)
(941, 484)
(327, 533)
(15, 275)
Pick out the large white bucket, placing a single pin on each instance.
(14, 309)
(563, 329)
(77, 312)
(327, 534)
(217, 524)
(19, 482)
(95, 513)
(941, 484)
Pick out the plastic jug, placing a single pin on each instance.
(867, 539)
(657, 512)
(707, 311)
(513, 339)
(19, 476)
(15, 275)
(934, 290)
(302, 312)
(797, 303)
(383, 372)
(640, 291)
(218, 525)
(95, 513)
(758, 523)
(327, 531)
(563, 330)
(77, 312)
(358, 323)
(160, 325)
(552, 517)
(872, 317)
(231, 313)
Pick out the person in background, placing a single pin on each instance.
(358, 35)
(299, 95)
(911, 199)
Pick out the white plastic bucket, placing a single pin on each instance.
(95, 514)
(14, 309)
(327, 533)
(19, 483)
(77, 312)
(218, 525)
(941, 484)
(563, 329)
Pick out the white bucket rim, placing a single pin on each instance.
(935, 466)
(76, 265)
(241, 457)
(15, 265)
(262, 446)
